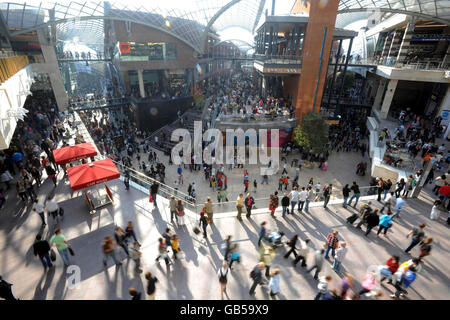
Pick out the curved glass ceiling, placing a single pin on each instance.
(183, 19)
(438, 10)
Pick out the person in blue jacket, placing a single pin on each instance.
(407, 279)
(384, 224)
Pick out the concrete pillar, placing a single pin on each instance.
(445, 103)
(388, 98)
(48, 51)
(141, 83)
(379, 95)
(404, 47)
(317, 41)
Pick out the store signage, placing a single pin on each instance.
(281, 70)
(124, 47)
(430, 37)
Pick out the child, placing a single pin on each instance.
(339, 257)
(135, 254)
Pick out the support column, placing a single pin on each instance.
(379, 95)
(275, 41)
(404, 47)
(349, 52)
(141, 83)
(315, 52)
(48, 51)
(388, 98)
(333, 80)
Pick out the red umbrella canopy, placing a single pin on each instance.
(74, 153)
(90, 174)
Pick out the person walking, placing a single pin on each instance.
(400, 203)
(175, 246)
(52, 208)
(327, 194)
(135, 295)
(339, 257)
(223, 273)
(266, 255)
(108, 246)
(391, 267)
(203, 223)
(51, 173)
(180, 213)
(153, 192)
(291, 243)
(303, 253)
(256, 276)
(135, 254)
(120, 237)
(239, 206)
(173, 209)
(400, 186)
(262, 232)
(380, 185)
(126, 181)
(235, 255)
(318, 262)
(249, 202)
(425, 247)
(436, 209)
(273, 205)
(151, 285)
(302, 195)
(285, 204)
(41, 248)
(39, 208)
(389, 203)
(372, 221)
(345, 194)
(417, 236)
(294, 198)
(21, 191)
(322, 286)
(309, 197)
(162, 249)
(356, 194)
(331, 243)
(274, 282)
(209, 209)
(368, 283)
(167, 235)
(385, 224)
(129, 231)
(386, 188)
(62, 245)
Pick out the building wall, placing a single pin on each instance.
(290, 87)
(322, 14)
(186, 55)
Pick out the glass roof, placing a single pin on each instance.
(438, 10)
(183, 19)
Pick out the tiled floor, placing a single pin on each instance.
(196, 276)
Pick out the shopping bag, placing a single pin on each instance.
(150, 197)
(181, 255)
(72, 253)
(196, 230)
(61, 212)
(52, 255)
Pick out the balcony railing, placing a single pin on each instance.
(279, 59)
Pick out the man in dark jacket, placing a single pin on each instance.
(154, 191)
(5, 290)
(285, 201)
(256, 275)
(249, 202)
(372, 220)
(41, 248)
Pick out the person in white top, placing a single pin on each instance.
(318, 187)
(294, 198)
(339, 257)
(52, 208)
(302, 253)
(302, 198)
(39, 208)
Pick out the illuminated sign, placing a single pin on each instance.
(124, 47)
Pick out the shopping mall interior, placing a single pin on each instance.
(349, 99)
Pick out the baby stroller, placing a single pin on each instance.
(275, 238)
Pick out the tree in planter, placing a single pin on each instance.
(312, 133)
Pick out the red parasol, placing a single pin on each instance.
(90, 174)
(74, 153)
